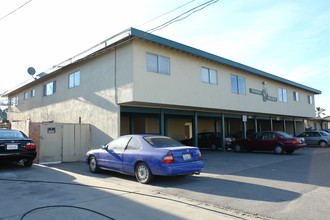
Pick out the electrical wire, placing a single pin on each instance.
(176, 19)
(119, 190)
(189, 12)
(65, 206)
(166, 13)
(15, 10)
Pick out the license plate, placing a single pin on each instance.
(12, 147)
(186, 156)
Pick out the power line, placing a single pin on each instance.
(187, 14)
(176, 19)
(167, 13)
(15, 10)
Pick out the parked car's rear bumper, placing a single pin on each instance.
(17, 156)
(178, 168)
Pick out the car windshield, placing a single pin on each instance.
(162, 142)
(323, 133)
(283, 135)
(14, 135)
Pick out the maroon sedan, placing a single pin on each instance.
(276, 141)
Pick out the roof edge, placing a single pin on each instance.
(188, 49)
(160, 40)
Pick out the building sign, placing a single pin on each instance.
(264, 94)
(51, 130)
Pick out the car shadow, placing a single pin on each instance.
(56, 193)
(227, 188)
(299, 167)
(193, 183)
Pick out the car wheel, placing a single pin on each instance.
(92, 163)
(322, 144)
(213, 147)
(238, 148)
(28, 163)
(278, 149)
(143, 173)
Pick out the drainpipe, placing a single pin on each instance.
(223, 144)
(162, 122)
(255, 124)
(195, 129)
(271, 124)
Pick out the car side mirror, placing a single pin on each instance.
(104, 147)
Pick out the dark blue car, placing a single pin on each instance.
(145, 156)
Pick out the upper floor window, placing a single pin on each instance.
(296, 96)
(74, 79)
(310, 99)
(14, 101)
(158, 64)
(33, 93)
(26, 95)
(237, 84)
(209, 76)
(282, 95)
(49, 88)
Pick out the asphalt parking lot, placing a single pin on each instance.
(232, 186)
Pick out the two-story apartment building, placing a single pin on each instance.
(136, 82)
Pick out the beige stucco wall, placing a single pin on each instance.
(93, 102)
(184, 87)
(120, 77)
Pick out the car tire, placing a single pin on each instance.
(238, 148)
(92, 164)
(278, 149)
(143, 173)
(28, 163)
(213, 147)
(322, 144)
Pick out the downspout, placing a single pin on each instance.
(116, 93)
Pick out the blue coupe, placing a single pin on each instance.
(145, 156)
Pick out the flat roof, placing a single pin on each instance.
(135, 33)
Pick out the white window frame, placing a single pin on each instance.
(74, 79)
(49, 88)
(209, 76)
(14, 101)
(296, 96)
(310, 99)
(33, 93)
(240, 85)
(282, 95)
(158, 64)
(26, 95)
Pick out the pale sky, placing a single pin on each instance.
(287, 38)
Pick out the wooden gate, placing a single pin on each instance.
(63, 142)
